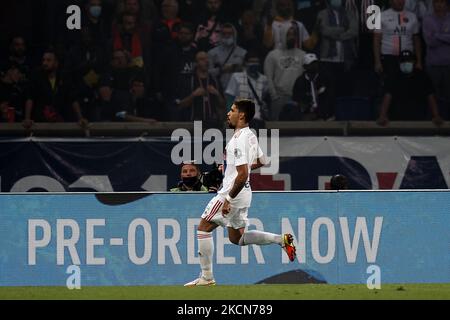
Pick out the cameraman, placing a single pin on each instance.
(190, 179)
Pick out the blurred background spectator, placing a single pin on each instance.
(227, 58)
(408, 94)
(200, 98)
(251, 84)
(159, 40)
(436, 31)
(282, 67)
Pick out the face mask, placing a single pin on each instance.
(190, 181)
(406, 67)
(228, 41)
(253, 69)
(336, 3)
(95, 11)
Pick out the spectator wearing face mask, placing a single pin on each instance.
(282, 67)
(399, 31)
(96, 21)
(227, 58)
(408, 94)
(190, 179)
(338, 182)
(250, 84)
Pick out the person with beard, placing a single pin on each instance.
(408, 93)
(209, 28)
(276, 28)
(227, 58)
(338, 28)
(54, 98)
(282, 67)
(190, 179)
(251, 84)
(229, 208)
(313, 93)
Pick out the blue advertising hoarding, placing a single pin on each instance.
(149, 239)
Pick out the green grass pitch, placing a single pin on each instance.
(244, 292)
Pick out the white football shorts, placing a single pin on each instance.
(236, 219)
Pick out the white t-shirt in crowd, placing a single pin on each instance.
(397, 29)
(280, 29)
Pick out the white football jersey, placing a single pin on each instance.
(242, 149)
(398, 29)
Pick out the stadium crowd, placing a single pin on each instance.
(185, 60)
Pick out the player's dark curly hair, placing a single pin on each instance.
(247, 107)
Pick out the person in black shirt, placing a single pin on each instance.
(14, 93)
(407, 95)
(53, 95)
(201, 100)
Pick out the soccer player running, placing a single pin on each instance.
(230, 206)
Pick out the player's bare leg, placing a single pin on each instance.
(286, 241)
(205, 251)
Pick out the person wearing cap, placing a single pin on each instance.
(313, 92)
(190, 179)
(408, 93)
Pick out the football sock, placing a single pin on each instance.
(260, 237)
(205, 251)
